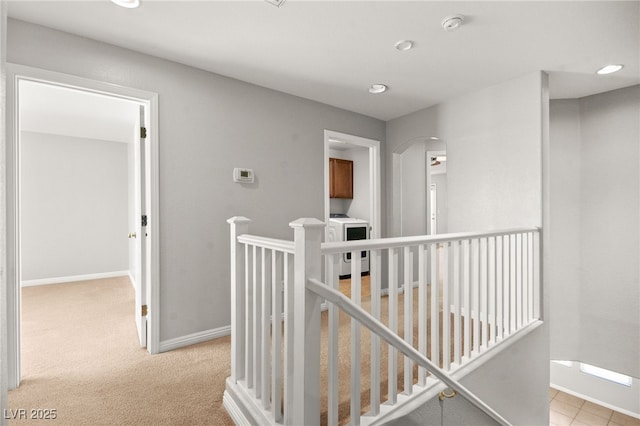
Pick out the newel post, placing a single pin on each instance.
(239, 225)
(305, 409)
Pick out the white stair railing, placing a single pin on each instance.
(474, 290)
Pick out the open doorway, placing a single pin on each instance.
(81, 192)
(352, 210)
(436, 184)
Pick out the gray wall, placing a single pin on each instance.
(595, 193)
(494, 140)
(74, 205)
(208, 125)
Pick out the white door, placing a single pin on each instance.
(433, 229)
(139, 237)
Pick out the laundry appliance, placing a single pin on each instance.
(344, 228)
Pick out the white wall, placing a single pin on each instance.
(595, 196)
(413, 191)
(209, 124)
(494, 140)
(73, 206)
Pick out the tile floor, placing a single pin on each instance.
(568, 410)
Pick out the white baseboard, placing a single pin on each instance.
(596, 401)
(73, 278)
(192, 339)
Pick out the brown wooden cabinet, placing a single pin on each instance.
(340, 178)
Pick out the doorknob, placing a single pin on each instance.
(132, 235)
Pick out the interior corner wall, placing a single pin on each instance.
(564, 228)
(73, 206)
(209, 124)
(494, 140)
(610, 243)
(595, 230)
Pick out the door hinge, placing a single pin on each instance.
(144, 220)
(144, 310)
(143, 132)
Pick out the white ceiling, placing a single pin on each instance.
(331, 51)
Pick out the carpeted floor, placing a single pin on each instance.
(81, 357)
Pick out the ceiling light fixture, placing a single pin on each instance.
(609, 69)
(452, 23)
(377, 88)
(276, 3)
(403, 45)
(129, 4)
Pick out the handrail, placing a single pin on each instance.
(385, 243)
(375, 326)
(285, 246)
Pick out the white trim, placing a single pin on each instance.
(596, 401)
(192, 339)
(15, 73)
(74, 278)
(242, 407)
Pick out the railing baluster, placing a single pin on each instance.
(288, 337)
(484, 294)
(265, 334)
(393, 326)
(422, 310)
(457, 338)
(375, 261)
(333, 347)
(531, 282)
(249, 287)
(435, 306)
(475, 282)
(519, 304)
(512, 283)
(408, 317)
(499, 288)
(537, 262)
(466, 265)
(276, 333)
(492, 290)
(238, 226)
(446, 319)
(356, 293)
(525, 279)
(257, 318)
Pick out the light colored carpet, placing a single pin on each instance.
(81, 357)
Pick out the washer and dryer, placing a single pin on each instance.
(345, 228)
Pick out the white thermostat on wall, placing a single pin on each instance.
(242, 175)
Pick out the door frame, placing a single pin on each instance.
(374, 178)
(14, 74)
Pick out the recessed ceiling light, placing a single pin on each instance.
(129, 4)
(276, 3)
(451, 23)
(434, 138)
(609, 69)
(403, 45)
(377, 88)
